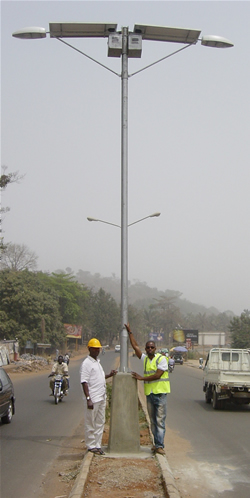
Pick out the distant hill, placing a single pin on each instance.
(141, 295)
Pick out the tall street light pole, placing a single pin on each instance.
(124, 203)
(124, 44)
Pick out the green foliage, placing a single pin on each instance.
(109, 397)
(105, 317)
(73, 297)
(26, 300)
(240, 330)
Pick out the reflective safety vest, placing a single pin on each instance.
(159, 386)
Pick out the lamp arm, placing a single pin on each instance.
(138, 221)
(160, 60)
(88, 56)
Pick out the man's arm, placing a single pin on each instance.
(157, 375)
(133, 341)
(111, 374)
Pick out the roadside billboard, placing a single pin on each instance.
(185, 335)
(73, 331)
(212, 338)
(156, 336)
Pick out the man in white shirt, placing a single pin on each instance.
(94, 388)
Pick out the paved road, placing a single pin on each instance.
(220, 440)
(34, 438)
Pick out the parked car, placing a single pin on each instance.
(7, 398)
(178, 359)
(117, 348)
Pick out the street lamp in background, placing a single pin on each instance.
(124, 44)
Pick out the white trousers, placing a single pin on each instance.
(94, 421)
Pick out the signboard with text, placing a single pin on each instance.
(185, 335)
(155, 336)
(73, 331)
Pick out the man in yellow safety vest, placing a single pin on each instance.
(156, 388)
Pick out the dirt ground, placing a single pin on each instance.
(124, 477)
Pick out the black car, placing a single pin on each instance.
(7, 398)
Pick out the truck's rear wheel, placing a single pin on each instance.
(208, 396)
(216, 402)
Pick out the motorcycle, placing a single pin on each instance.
(58, 392)
(170, 368)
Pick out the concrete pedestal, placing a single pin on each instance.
(124, 432)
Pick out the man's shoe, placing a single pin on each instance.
(153, 449)
(160, 451)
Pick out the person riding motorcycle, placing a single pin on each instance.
(59, 368)
(66, 358)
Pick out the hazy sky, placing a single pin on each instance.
(189, 147)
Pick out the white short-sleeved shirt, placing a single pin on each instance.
(91, 371)
(163, 365)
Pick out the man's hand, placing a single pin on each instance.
(90, 404)
(111, 374)
(136, 376)
(127, 327)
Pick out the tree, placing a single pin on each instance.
(10, 178)
(105, 319)
(73, 298)
(4, 181)
(18, 257)
(240, 330)
(27, 301)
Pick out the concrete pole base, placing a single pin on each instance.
(124, 432)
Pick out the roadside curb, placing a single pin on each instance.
(77, 490)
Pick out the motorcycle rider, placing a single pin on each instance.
(171, 363)
(66, 358)
(59, 368)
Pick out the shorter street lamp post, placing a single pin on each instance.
(124, 284)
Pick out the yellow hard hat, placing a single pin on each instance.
(94, 343)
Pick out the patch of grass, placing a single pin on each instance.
(108, 403)
(142, 418)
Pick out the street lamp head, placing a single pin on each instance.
(154, 215)
(28, 33)
(216, 41)
(92, 219)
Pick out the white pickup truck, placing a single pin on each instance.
(226, 377)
